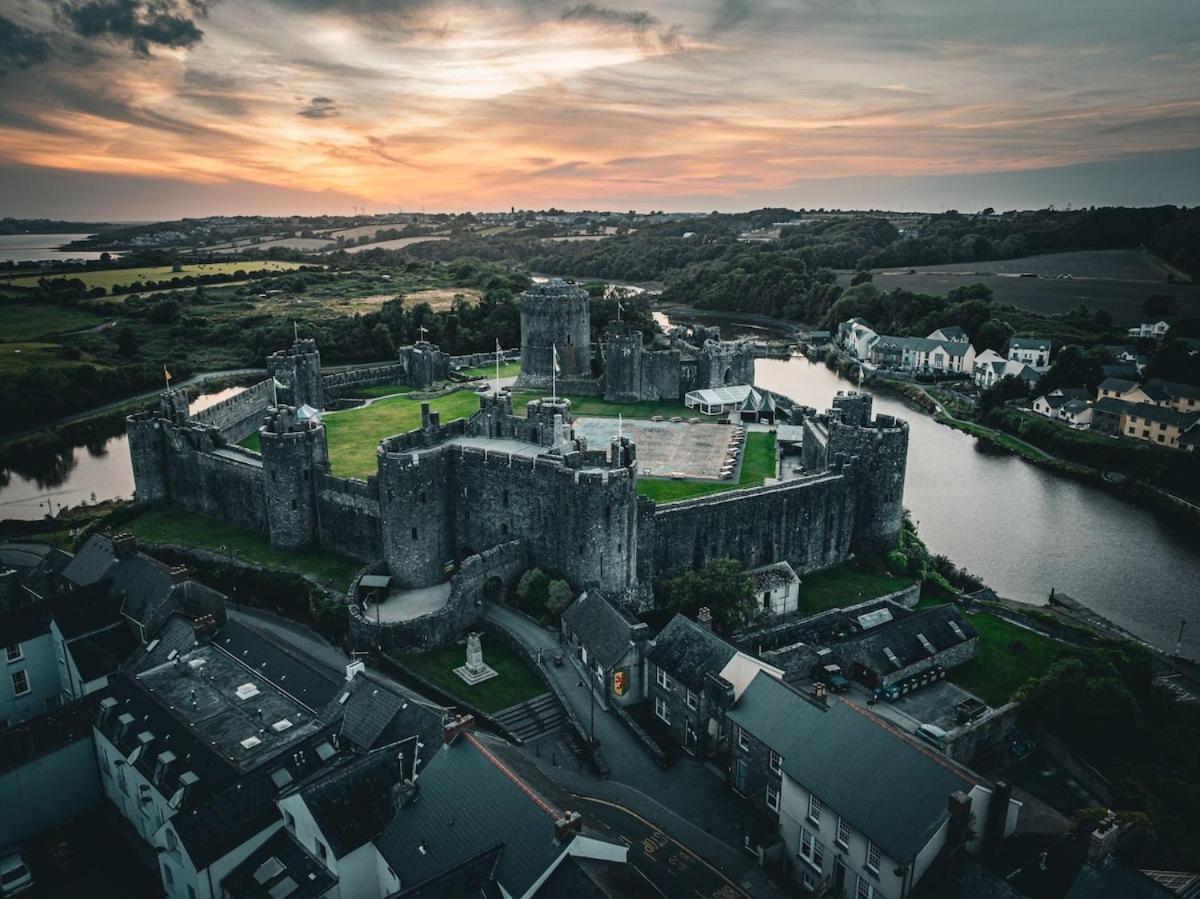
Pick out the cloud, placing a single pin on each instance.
(320, 108)
(634, 18)
(20, 47)
(142, 23)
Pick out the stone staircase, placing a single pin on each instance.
(533, 718)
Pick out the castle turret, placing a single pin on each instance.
(298, 369)
(622, 363)
(147, 434)
(294, 454)
(726, 363)
(550, 422)
(879, 448)
(425, 364)
(555, 315)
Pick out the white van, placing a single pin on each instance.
(15, 876)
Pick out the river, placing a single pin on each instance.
(43, 248)
(1021, 528)
(94, 472)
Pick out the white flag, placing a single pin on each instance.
(557, 370)
(498, 350)
(277, 383)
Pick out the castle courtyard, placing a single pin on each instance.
(665, 448)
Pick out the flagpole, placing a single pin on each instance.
(497, 365)
(554, 373)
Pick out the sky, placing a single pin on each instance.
(139, 109)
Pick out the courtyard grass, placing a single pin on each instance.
(515, 682)
(758, 463)
(841, 586)
(377, 390)
(1000, 668)
(170, 525)
(354, 434)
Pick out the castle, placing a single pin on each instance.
(449, 491)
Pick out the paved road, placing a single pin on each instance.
(690, 800)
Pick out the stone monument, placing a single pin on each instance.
(476, 671)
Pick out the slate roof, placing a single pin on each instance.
(958, 875)
(1112, 880)
(467, 806)
(902, 637)
(92, 561)
(1119, 385)
(75, 609)
(312, 685)
(688, 652)
(259, 878)
(1161, 391)
(353, 803)
(924, 344)
(954, 332)
(593, 878)
(1113, 405)
(887, 788)
(177, 635)
(1028, 343)
(376, 714)
(101, 653)
(144, 583)
(1165, 414)
(604, 629)
(43, 579)
(771, 576)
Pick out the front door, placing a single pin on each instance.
(689, 736)
(739, 775)
(839, 874)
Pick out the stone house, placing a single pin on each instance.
(1032, 351)
(907, 645)
(776, 588)
(607, 645)
(862, 811)
(692, 676)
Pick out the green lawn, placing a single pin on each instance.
(354, 434)
(169, 525)
(106, 278)
(515, 683)
(27, 321)
(999, 669)
(758, 463)
(16, 358)
(835, 588)
(377, 390)
(507, 370)
(596, 405)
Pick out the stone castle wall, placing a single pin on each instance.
(349, 518)
(239, 416)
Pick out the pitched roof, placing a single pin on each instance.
(92, 561)
(377, 714)
(354, 802)
(953, 332)
(1160, 390)
(770, 576)
(887, 788)
(467, 806)
(689, 652)
(603, 628)
(1112, 880)
(81, 610)
(1164, 414)
(901, 637)
(1028, 343)
(101, 653)
(925, 345)
(1119, 385)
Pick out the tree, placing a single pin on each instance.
(722, 586)
(1174, 361)
(1073, 368)
(1007, 388)
(861, 277)
(127, 342)
(993, 334)
(558, 597)
(1158, 306)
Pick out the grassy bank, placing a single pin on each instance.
(836, 588)
(1008, 656)
(170, 525)
(507, 370)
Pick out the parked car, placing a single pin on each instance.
(15, 876)
(933, 735)
(832, 677)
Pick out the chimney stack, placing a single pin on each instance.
(1103, 839)
(960, 818)
(997, 817)
(704, 618)
(570, 824)
(452, 728)
(204, 628)
(820, 693)
(355, 668)
(179, 574)
(124, 545)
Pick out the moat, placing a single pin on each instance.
(1020, 528)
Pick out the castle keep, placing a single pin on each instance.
(447, 492)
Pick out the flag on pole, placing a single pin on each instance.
(167, 375)
(619, 309)
(557, 370)
(422, 330)
(275, 385)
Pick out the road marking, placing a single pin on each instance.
(728, 891)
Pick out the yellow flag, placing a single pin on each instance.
(166, 373)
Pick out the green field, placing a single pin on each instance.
(507, 370)
(168, 525)
(27, 321)
(376, 390)
(354, 434)
(16, 358)
(758, 462)
(836, 588)
(999, 669)
(106, 278)
(516, 683)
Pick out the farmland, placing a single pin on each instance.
(106, 278)
(1117, 281)
(26, 321)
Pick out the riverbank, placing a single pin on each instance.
(1181, 514)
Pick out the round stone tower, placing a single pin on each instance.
(881, 448)
(294, 454)
(555, 314)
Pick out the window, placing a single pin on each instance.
(662, 679)
(320, 847)
(843, 833)
(773, 796)
(811, 849)
(743, 740)
(775, 761)
(692, 701)
(414, 533)
(14, 653)
(661, 711)
(814, 808)
(168, 877)
(289, 820)
(20, 682)
(865, 889)
(872, 857)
